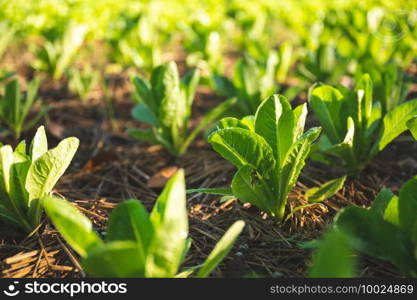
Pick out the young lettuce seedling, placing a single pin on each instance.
(252, 82)
(81, 82)
(203, 44)
(137, 41)
(25, 178)
(138, 244)
(269, 150)
(58, 51)
(355, 129)
(324, 63)
(165, 103)
(388, 229)
(14, 109)
(390, 85)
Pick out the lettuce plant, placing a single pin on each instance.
(81, 82)
(388, 229)
(165, 103)
(59, 50)
(255, 80)
(286, 55)
(14, 109)
(358, 36)
(203, 44)
(355, 129)
(137, 40)
(256, 30)
(390, 85)
(27, 177)
(269, 150)
(252, 82)
(138, 244)
(363, 35)
(324, 63)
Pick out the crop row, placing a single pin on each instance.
(353, 72)
(269, 150)
(325, 42)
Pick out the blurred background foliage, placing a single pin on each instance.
(321, 40)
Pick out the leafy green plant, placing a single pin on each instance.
(355, 129)
(286, 57)
(58, 51)
(322, 64)
(390, 85)
(203, 45)
(255, 29)
(345, 40)
(269, 150)
(364, 35)
(165, 103)
(138, 244)
(27, 177)
(81, 82)
(252, 82)
(334, 257)
(14, 108)
(388, 229)
(137, 40)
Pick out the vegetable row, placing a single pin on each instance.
(269, 150)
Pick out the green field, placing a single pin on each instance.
(208, 138)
